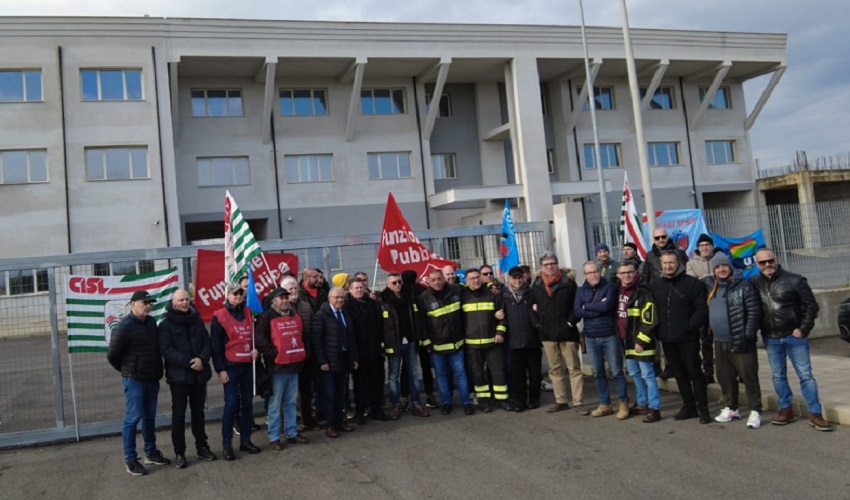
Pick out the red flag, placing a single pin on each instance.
(401, 250)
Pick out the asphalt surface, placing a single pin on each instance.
(533, 454)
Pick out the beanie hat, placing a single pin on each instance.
(340, 279)
(601, 246)
(408, 277)
(718, 259)
(630, 245)
(704, 238)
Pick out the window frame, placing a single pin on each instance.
(24, 88)
(732, 150)
(451, 245)
(29, 167)
(392, 91)
(597, 92)
(233, 166)
(99, 72)
(443, 165)
(39, 286)
(724, 90)
(299, 167)
(98, 267)
(671, 94)
(602, 145)
(105, 165)
(379, 155)
(227, 99)
(445, 100)
(652, 153)
(312, 91)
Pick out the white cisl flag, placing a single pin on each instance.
(240, 246)
(630, 224)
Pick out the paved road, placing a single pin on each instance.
(500, 455)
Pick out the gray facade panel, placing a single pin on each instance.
(459, 135)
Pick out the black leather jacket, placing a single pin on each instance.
(134, 349)
(787, 303)
(743, 307)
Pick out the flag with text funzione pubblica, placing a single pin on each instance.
(95, 304)
(508, 252)
(630, 222)
(240, 246)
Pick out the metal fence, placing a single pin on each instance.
(47, 394)
(809, 239)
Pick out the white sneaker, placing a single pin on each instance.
(545, 385)
(754, 420)
(727, 415)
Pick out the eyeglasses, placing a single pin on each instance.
(766, 262)
(239, 292)
(659, 238)
(550, 263)
(590, 273)
(486, 274)
(393, 283)
(625, 273)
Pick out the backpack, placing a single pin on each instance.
(844, 320)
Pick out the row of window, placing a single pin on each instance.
(660, 154)
(29, 281)
(663, 98)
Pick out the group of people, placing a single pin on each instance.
(483, 339)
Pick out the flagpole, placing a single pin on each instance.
(646, 182)
(375, 276)
(73, 396)
(603, 194)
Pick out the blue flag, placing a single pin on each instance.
(508, 253)
(251, 298)
(742, 251)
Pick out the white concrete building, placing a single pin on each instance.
(122, 133)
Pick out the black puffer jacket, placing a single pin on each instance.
(315, 303)
(651, 268)
(743, 308)
(327, 339)
(367, 327)
(787, 303)
(183, 337)
(682, 309)
(134, 349)
(521, 332)
(553, 315)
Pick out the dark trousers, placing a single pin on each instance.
(308, 381)
(369, 386)
(683, 358)
(729, 366)
(238, 398)
(196, 394)
(427, 375)
(707, 350)
(334, 387)
(525, 366)
(479, 361)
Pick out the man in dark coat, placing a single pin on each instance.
(134, 351)
(336, 352)
(526, 353)
(369, 376)
(185, 347)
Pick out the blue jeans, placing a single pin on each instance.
(442, 363)
(241, 383)
(797, 350)
(607, 348)
(411, 361)
(284, 390)
(646, 386)
(140, 399)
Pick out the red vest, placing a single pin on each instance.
(239, 335)
(287, 334)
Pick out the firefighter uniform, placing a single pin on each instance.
(481, 326)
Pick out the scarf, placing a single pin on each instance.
(550, 281)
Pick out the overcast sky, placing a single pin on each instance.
(809, 110)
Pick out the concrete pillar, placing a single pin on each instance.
(570, 237)
(808, 214)
(522, 83)
(169, 163)
(489, 116)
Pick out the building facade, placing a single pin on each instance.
(124, 133)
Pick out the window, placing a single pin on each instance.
(550, 160)
(478, 246)
(452, 248)
(445, 105)
(661, 99)
(663, 154)
(22, 282)
(223, 171)
(609, 152)
(23, 166)
(309, 168)
(315, 258)
(721, 99)
(20, 86)
(217, 102)
(445, 165)
(123, 268)
(720, 152)
(604, 97)
(389, 165)
(111, 84)
(117, 164)
(382, 101)
(303, 102)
